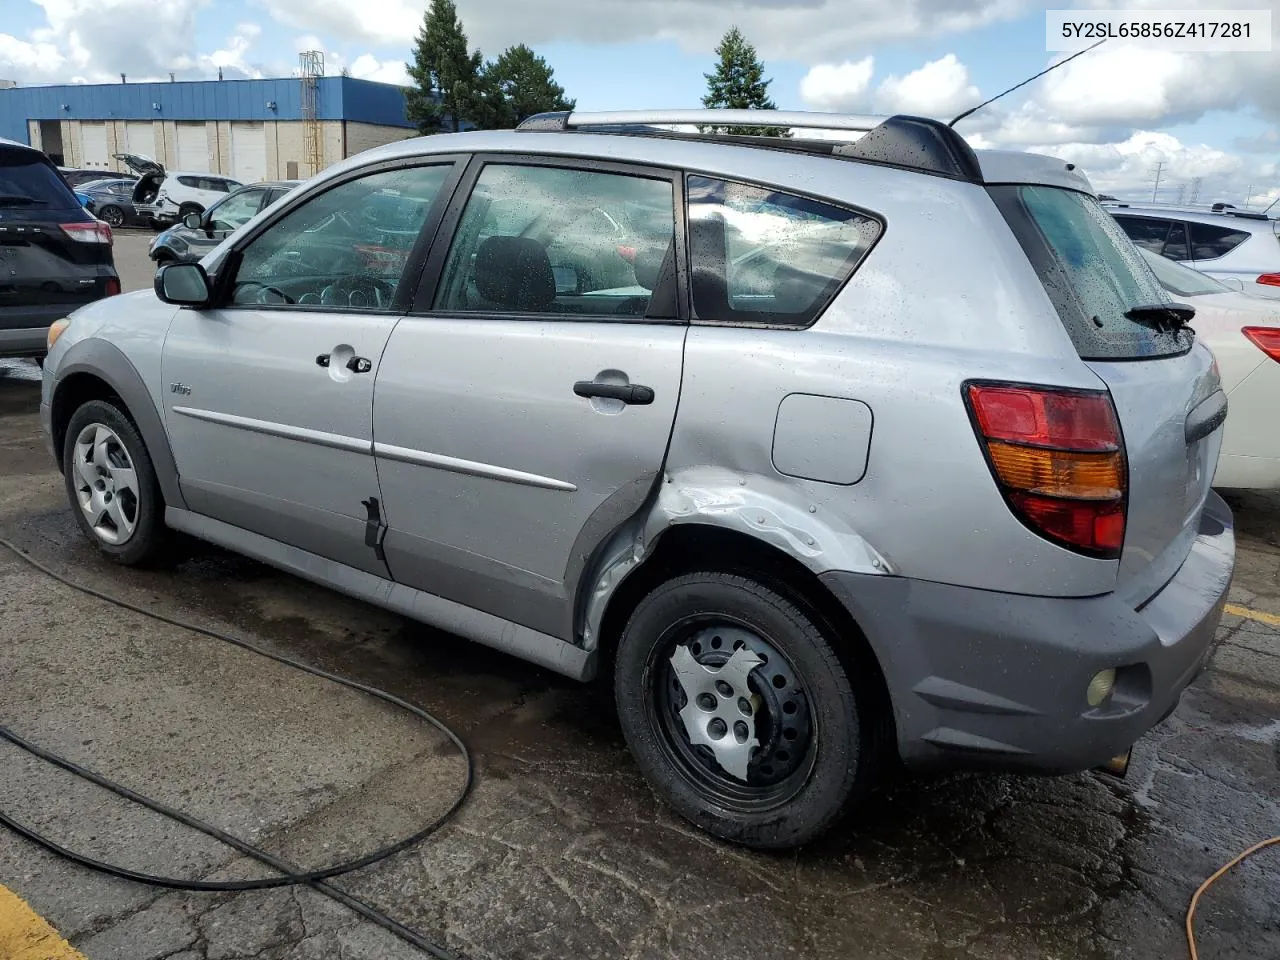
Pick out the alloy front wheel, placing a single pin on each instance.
(111, 484)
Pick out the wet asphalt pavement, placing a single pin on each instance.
(561, 851)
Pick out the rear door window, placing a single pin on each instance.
(1146, 232)
(1091, 271)
(1209, 242)
(537, 239)
(761, 256)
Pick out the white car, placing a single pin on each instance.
(168, 196)
(1244, 334)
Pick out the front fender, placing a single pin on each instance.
(768, 509)
(105, 361)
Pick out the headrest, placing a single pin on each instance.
(648, 263)
(515, 273)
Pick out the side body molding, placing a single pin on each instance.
(770, 509)
(106, 362)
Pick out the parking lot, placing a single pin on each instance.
(561, 851)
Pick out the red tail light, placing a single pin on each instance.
(1266, 339)
(1270, 279)
(112, 287)
(1059, 460)
(93, 231)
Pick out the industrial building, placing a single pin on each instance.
(247, 129)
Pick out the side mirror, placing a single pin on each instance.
(193, 221)
(183, 284)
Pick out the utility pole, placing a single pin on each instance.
(1182, 192)
(1195, 188)
(1160, 165)
(1248, 196)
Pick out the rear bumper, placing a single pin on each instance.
(983, 679)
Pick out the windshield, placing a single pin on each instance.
(1091, 271)
(1180, 280)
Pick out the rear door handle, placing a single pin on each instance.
(636, 393)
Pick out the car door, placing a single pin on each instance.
(522, 411)
(269, 394)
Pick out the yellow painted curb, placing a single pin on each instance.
(24, 934)
(1270, 619)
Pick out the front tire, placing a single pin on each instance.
(112, 485)
(739, 713)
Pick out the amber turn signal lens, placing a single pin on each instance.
(1059, 473)
(55, 331)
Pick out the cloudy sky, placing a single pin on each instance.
(1118, 112)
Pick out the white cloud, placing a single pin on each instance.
(806, 30)
(838, 87)
(941, 88)
(97, 40)
(368, 67)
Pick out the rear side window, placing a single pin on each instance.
(1209, 242)
(1091, 271)
(761, 256)
(31, 183)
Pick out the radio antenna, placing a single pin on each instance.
(1048, 69)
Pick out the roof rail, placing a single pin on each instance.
(719, 118)
(912, 143)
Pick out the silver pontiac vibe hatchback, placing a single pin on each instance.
(828, 455)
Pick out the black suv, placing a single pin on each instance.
(54, 255)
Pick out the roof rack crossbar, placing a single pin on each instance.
(798, 119)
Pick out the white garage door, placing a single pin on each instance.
(193, 147)
(248, 152)
(140, 138)
(93, 145)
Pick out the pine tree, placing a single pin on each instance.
(739, 84)
(526, 84)
(448, 88)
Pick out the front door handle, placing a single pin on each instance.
(636, 393)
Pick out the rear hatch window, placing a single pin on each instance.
(1096, 278)
(27, 181)
(1091, 271)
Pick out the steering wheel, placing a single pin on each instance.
(265, 289)
(358, 291)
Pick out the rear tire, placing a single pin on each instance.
(112, 486)
(112, 216)
(680, 676)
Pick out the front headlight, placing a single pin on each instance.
(55, 331)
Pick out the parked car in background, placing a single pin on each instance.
(1244, 333)
(76, 178)
(1236, 246)
(111, 201)
(659, 461)
(199, 233)
(54, 255)
(167, 196)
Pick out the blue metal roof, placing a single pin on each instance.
(337, 98)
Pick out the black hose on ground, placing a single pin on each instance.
(289, 874)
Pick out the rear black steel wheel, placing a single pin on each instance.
(739, 712)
